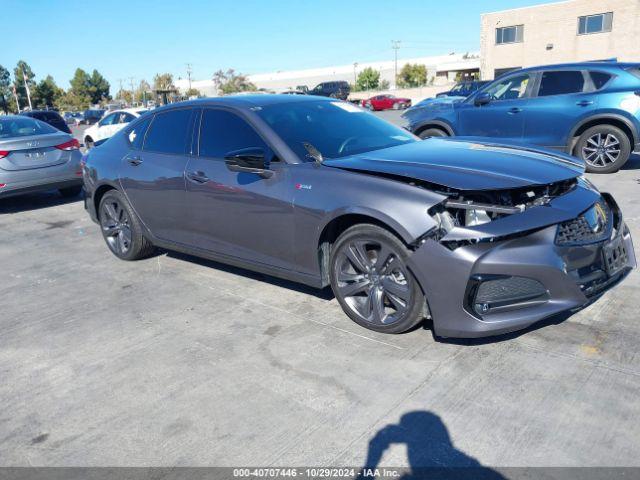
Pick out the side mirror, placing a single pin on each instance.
(482, 99)
(249, 160)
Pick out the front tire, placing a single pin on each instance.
(371, 281)
(89, 143)
(121, 229)
(604, 148)
(432, 132)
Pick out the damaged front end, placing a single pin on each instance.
(498, 261)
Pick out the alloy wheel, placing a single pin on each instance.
(116, 226)
(601, 150)
(373, 282)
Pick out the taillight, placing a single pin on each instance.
(72, 144)
(3, 153)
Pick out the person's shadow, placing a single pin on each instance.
(429, 449)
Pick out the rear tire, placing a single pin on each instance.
(432, 132)
(121, 228)
(603, 148)
(371, 281)
(70, 191)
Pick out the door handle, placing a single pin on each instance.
(135, 161)
(514, 110)
(197, 177)
(584, 103)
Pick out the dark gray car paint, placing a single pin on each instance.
(275, 225)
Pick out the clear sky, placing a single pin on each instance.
(132, 38)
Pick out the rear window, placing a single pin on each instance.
(599, 79)
(23, 127)
(170, 132)
(561, 82)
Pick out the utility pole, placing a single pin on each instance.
(395, 45)
(355, 77)
(189, 71)
(120, 80)
(132, 91)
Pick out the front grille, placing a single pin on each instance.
(592, 226)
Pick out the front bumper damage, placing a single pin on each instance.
(527, 277)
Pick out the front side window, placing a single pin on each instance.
(561, 82)
(512, 34)
(595, 23)
(336, 129)
(222, 132)
(108, 120)
(170, 132)
(510, 88)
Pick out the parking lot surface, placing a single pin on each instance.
(179, 361)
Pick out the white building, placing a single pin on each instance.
(442, 68)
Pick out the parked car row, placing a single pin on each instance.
(590, 110)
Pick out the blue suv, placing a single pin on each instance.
(590, 110)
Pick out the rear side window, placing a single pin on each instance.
(635, 71)
(562, 82)
(599, 79)
(136, 134)
(170, 132)
(222, 132)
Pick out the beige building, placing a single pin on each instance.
(570, 31)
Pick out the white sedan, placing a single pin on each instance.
(110, 124)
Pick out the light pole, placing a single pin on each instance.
(355, 77)
(395, 45)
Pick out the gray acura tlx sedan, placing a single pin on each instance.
(36, 156)
(481, 238)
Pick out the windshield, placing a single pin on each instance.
(23, 127)
(336, 129)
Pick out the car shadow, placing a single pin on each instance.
(35, 201)
(324, 294)
(430, 451)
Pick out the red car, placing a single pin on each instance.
(385, 102)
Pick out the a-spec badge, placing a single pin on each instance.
(303, 186)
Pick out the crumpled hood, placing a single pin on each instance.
(466, 165)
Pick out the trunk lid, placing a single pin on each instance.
(35, 151)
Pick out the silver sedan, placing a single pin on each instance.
(34, 156)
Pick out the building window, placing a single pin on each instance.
(595, 23)
(509, 34)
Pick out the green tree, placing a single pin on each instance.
(22, 71)
(98, 88)
(46, 93)
(192, 92)
(368, 79)
(232, 82)
(412, 75)
(6, 97)
(78, 95)
(142, 92)
(88, 89)
(163, 81)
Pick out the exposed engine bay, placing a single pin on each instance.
(469, 209)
